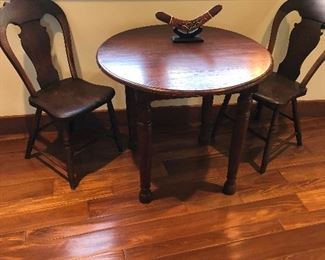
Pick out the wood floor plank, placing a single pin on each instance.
(47, 203)
(102, 218)
(61, 199)
(259, 187)
(314, 199)
(123, 211)
(199, 241)
(304, 172)
(195, 196)
(126, 178)
(302, 219)
(12, 143)
(49, 217)
(314, 254)
(203, 166)
(285, 181)
(19, 191)
(273, 245)
(161, 230)
(182, 225)
(11, 169)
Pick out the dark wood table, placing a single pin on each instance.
(152, 67)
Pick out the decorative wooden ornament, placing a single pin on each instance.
(188, 30)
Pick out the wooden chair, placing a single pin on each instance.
(281, 88)
(62, 99)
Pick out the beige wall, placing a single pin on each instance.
(93, 21)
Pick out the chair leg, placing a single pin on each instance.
(258, 111)
(33, 135)
(296, 121)
(114, 124)
(220, 115)
(72, 176)
(266, 153)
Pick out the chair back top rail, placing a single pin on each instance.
(304, 37)
(27, 14)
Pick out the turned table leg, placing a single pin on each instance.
(144, 127)
(206, 120)
(237, 141)
(131, 116)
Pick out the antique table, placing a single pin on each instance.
(152, 67)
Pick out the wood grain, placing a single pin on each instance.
(302, 219)
(314, 199)
(279, 215)
(315, 254)
(185, 69)
(282, 243)
(49, 217)
(203, 240)
(35, 189)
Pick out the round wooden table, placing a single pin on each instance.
(152, 67)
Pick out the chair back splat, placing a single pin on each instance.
(304, 37)
(27, 14)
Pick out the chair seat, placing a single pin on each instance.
(70, 97)
(278, 90)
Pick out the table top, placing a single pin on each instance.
(146, 58)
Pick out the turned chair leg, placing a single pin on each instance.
(220, 115)
(258, 111)
(296, 121)
(33, 134)
(114, 125)
(72, 176)
(266, 154)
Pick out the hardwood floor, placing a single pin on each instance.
(278, 215)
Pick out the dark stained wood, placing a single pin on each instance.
(183, 70)
(206, 124)
(62, 99)
(237, 141)
(304, 38)
(144, 128)
(310, 10)
(281, 87)
(33, 37)
(162, 117)
(131, 116)
(102, 220)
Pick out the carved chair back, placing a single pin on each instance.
(27, 14)
(304, 37)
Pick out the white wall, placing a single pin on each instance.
(93, 21)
